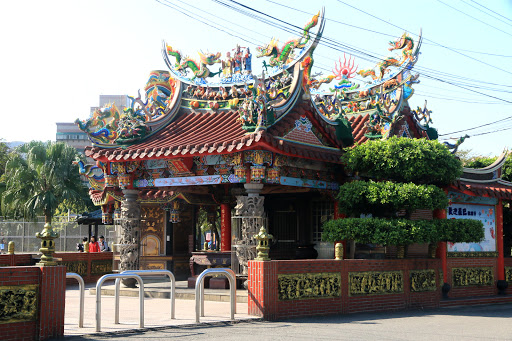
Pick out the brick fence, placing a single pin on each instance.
(90, 265)
(293, 288)
(35, 298)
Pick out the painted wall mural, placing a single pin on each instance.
(484, 213)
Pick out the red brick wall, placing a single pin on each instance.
(51, 302)
(469, 291)
(19, 276)
(263, 288)
(88, 257)
(16, 259)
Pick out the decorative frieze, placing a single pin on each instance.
(79, 267)
(472, 254)
(375, 283)
(309, 285)
(101, 267)
(18, 303)
(423, 280)
(463, 277)
(508, 274)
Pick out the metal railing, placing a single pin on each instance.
(200, 290)
(143, 273)
(81, 287)
(121, 276)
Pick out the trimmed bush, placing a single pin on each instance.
(403, 231)
(385, 199)
(404, 160)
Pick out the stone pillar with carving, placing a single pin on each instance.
(129, 234)
(251, 212)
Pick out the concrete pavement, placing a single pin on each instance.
(491, 322)
(157, 313)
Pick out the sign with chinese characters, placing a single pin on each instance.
(486, 215)
(298, 182)
(189, 181)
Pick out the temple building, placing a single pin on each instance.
(239, 151)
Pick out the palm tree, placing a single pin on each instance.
(39, 178)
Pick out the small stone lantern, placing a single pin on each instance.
(47, 245)
(263, 237)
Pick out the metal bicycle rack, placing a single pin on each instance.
(81, 287)
(143, 273)
(120, 276)
(200, 290)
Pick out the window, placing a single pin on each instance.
(321, 211)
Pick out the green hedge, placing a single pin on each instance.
(402, 231)
(404, 160)
(384, 199)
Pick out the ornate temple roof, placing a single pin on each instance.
(190, 110)
(487, 181)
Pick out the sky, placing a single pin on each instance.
(57, 57)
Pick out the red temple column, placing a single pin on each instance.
(441, 247)
(225, 227)
(499, 240)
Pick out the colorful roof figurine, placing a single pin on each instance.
(216, 105)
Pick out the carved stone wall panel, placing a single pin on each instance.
(375, 283)
(19, 303)
(423, 280)
(309, 286)
(101, 267)
(79, 267)
(463, 277)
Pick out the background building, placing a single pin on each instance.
(69, 132)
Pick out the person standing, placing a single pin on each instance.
(80, 247)
(2, 246)
(93, 245)
(103, 244)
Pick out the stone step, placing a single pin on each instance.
(181, 294)
(480, 300)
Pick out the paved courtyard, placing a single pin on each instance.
(491, 322)
(156, 312)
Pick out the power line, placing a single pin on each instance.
(490, 10)
(484, 12)
(288, 30)
(446, 47)
(472, 17)
(480, 126)
(284, 22)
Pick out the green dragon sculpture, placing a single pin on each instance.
(404, 43)
(279, 56)
(200, 70)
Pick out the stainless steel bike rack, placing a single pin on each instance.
(143, 273)
(115, 276)
(81, 287)
(200, 290)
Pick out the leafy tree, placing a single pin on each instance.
(40, 178)
(404, 160)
